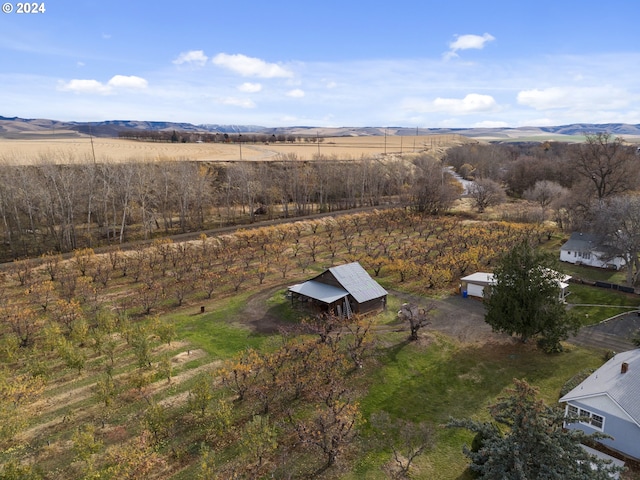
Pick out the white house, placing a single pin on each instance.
(608, 401)
(587, 249)
(479, 285)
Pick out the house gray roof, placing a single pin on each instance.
(622, 388)
(319, 291)
(581, 242)
(587, 242)
(355, 280)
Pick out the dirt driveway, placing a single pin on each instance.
(457, 317)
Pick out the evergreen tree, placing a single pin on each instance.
(527, 440)
(525, 298)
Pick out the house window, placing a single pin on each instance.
(586, 417)
(586, 255)
(597, 421)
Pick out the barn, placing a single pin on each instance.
(342, 290)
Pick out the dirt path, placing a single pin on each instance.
(457, 317)
(257, 314)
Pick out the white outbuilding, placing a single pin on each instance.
(479, 285)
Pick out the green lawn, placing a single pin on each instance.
(214, 332)
(596, 304)
(445, 379)
(594, 274)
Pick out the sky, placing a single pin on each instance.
(420, 63)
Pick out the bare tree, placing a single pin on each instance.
(407, 441)
(433, 191)
(486, 193)
(607, 164)
(618, 221)
(417, 317)
(544, 192)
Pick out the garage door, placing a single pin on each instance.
(474, 290)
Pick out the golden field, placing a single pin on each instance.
(79, 149)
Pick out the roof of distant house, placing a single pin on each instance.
(482, 278)
(587, 242)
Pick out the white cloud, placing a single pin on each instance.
(466, 42)
(491, 124)
(193, 57)
(85, 86)
(249, 87)
(472, 103)
(237, 102)
(295, 93)
(601, 97)
(251, 67)
(91, 86)
(331, 84)
(124, 81)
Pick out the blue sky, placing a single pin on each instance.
(465, 63)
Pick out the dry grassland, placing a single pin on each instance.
(80, 149)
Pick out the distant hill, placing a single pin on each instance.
(15, 127)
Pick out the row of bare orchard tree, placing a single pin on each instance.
(431, 251)
(293, 404)
(53, 205)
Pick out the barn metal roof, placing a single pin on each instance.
(354, 279)
(358, 282)
(319, 291)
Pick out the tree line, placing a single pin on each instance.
(590, 186)
(60, 206)
(175, 136)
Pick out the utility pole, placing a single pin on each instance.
(385, 141)
(93, 152)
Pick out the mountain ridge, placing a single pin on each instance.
(17, 127)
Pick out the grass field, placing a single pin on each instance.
(81, 149)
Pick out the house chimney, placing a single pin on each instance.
(624, 367)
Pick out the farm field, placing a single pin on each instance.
(78, 149)
(123, 365)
